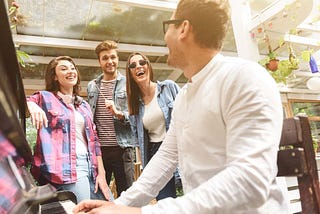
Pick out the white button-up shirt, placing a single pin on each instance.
(224, 134)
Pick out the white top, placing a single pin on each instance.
(225, 132)
(153, 120)
(81, 142)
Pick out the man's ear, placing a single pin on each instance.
(185, 29)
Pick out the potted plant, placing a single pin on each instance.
(280, 69)
(285, 68)
(270, 62)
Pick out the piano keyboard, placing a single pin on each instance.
(58, 207)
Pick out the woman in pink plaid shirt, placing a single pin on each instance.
(67, 153)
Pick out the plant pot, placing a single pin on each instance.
(272, 65)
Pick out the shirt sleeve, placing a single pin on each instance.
(34, 98)
(152, 181)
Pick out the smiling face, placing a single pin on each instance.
(139, 69)
(67, 76)
(109, 61)
(175, 56)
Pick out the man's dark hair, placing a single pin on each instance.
(209, 20)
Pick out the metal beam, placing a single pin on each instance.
(150, 4)
(302, 40)
(85, 44)
(309, 28)
(91, 62)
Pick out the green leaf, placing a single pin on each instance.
(22, 56)
(305, 55)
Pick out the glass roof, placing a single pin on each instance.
(92, 20)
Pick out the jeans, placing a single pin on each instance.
(169, 190)
(113, 161)
(84, 187)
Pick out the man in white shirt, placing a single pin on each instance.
(225, 129)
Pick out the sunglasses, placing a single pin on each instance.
(165, 24)
(142, 62)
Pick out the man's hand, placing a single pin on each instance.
(113, 110)
(87, 206)
(103, 207)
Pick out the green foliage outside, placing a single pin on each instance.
(31, 133)
(310, 109)
(179, 191)
(285, 68)
(14, 19)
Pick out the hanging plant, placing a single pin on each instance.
(282, 68)
(272, 65)
(16, 18)
(270, 62)
(306, 54)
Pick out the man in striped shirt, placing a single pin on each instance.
(108, 100)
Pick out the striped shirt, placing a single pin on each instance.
(103, 118)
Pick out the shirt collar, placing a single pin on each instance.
(206, 69)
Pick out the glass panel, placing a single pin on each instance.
(308, 108)
(93, 20)
(126, 24)
(89, 73)
(312, 110)
(257, 5)
(33, 71)
(54, 18)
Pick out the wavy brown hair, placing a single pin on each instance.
(106, 46)
(133, 91)
(52, 84)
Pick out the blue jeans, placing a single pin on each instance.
(84, 187)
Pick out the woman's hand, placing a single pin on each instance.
(38, 116)
(101, 180)
(102, 184)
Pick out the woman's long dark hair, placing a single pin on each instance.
(133, 91)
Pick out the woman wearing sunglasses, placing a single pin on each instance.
(150, 105)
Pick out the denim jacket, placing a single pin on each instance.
(122, 128)
(167, 92)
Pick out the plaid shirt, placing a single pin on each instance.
(9, 187)
(55, 151)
